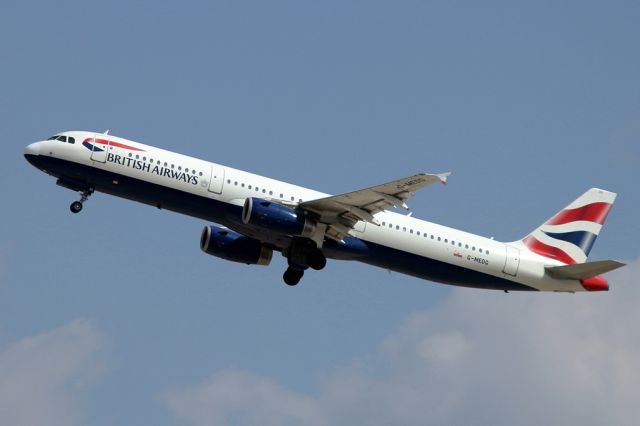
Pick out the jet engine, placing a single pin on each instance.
(276, 218)
(230, 245)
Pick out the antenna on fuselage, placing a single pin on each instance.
(106, 132)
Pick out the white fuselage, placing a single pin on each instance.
(205, 180)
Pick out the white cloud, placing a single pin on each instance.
(42, 377)
(224, 400)
(479, 358)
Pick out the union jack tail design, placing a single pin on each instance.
(569, 235)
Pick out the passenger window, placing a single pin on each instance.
(179, 167)
(418, 233)
(480, 250)
(398, 227)
(281, 196)
(270, 192)
(487, 252)
(249, 186)
(404, 229)
(446, 240)
(292, 198)
(473, 248)
(201, 175)
(186, 170)
(411, 231)
(264, 191)
(257, 189)
(438, 238)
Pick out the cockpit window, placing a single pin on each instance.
(61, 138)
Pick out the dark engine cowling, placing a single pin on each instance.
(230, 245)
(276, 218)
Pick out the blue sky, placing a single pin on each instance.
(114, 316)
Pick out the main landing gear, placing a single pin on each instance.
(76, 206)
(303, 253)
(292, 276)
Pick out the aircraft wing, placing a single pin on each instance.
(342, 212)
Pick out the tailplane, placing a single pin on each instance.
(582, 271)
(570, 234)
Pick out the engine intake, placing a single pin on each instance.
(230, 245)
(276, 218)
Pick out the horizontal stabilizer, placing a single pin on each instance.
(581, 271)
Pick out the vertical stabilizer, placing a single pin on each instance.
(569, 235)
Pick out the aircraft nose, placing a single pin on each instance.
(32, 149)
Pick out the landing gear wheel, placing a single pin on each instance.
(292, 276)
(316, 260)
(75, 207)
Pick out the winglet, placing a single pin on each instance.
(443, 177)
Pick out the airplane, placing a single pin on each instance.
(252, 216)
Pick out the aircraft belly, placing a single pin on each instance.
(436, 270)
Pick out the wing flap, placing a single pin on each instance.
(581, 271)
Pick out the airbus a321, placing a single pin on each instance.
(252, 216)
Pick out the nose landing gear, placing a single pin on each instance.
(76, 206)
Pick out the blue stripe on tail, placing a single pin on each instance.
(582, 239)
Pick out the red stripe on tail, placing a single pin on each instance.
(547, 251)
(595, 212)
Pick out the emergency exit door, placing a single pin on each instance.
(217, 179)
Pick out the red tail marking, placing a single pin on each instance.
(594, 212)
(547, 251)
(596, 283)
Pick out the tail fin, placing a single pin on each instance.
(569, 235)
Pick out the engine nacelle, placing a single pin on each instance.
(230, 245)
(276, 218)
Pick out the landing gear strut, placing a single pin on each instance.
(303, 253)
(76, 206)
